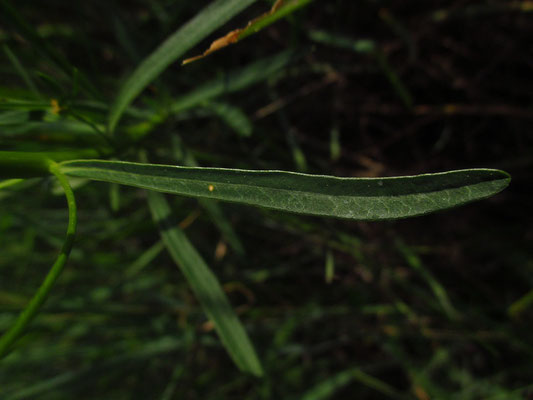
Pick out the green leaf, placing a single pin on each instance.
(23, 73)
(439, 291)
(353, 198)
(212, 207)
(212, 17)
(206, 287)
(367, 46)
(234, 81)
(204, 93)
(233, 116)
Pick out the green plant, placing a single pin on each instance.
(102, 141)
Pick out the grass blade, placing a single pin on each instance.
(519, 306)
(368, 46)
(60, 383)
(327, 388)
(214, 210)
(220, 220)
(233, 116)
(206, 287)
(352, 198)
(212, 17)
(20, 70)
(439, 291)
(12, 17)
(236, 80)
(205, 93)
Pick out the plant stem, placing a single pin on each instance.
(26, 316)
(22, 164)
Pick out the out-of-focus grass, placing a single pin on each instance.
(435, 307)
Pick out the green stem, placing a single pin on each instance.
(21, 164)
(40, 296)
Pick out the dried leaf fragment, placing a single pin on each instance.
(234, 35)
(224, 41)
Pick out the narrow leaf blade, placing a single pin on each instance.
(352, 198)
(209, 19)
(234, 81)
(206, 287)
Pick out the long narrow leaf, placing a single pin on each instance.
(212, 17)
(353, 198)
(206, 287)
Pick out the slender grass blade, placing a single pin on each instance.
(206, 287)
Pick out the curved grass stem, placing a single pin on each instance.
(26, 316)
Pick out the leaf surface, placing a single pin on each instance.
(352, 198)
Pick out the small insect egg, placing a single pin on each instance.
(211, 188)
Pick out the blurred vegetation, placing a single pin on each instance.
(427, 308)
